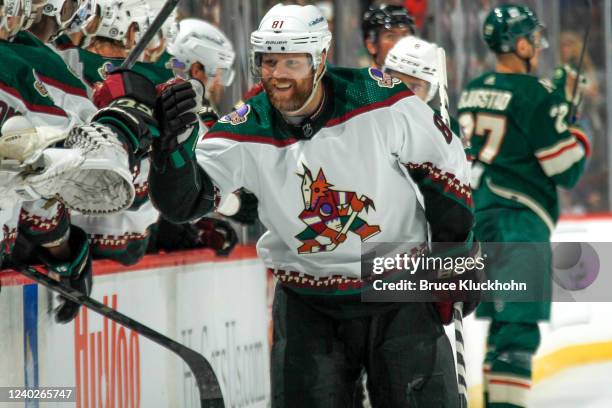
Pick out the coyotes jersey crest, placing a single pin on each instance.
(331, 214)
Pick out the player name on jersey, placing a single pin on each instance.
(485, 99)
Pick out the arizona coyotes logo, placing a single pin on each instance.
(238, 116)
(330, 214)
(382, 79)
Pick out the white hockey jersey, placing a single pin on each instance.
(376, 165)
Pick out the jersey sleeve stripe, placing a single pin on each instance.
(562, 160)
(249, 138)
(49, 109)
(64, 87)
(556, 149)
(444, 181)
(367, 108)
(582, 138)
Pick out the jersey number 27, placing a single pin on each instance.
(490, 126)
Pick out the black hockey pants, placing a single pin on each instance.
(321, 346)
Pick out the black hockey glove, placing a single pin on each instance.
(75, 272)
(217, 235)
(446, 299)
(247, 214)
(206, 233)
(175, 111)
(127, 101)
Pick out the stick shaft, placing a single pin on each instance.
(459, 345)
(585, 39)
(140, 46)
(208, 385)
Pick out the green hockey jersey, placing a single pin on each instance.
(92, 68)
(65, 87)
(521, 143)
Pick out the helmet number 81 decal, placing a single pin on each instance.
(277, 24)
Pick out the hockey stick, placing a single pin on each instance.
(345, 228)
(140, 46)
(461, 371)
(443, 87)
(585, 39)
(208, 385)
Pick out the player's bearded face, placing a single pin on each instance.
(287, 79)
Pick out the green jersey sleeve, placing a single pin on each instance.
(561, 150)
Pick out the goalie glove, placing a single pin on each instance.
(75, 272)
(126, 99)
(89, 175)
(24, 142)
(103, 183)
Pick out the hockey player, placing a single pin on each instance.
(415, 62)
(201, 51)
(66, 89)
(124, 237)
(524, 148)
(157, 50)
(323, 151)
(382, 27)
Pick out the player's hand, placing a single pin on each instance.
(127, 100)
(175, 111)
(125, 84)
(74, 272)
(564, 80)
(247, 213)
(445, 310)
(217, 235)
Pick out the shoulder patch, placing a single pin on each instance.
(40, 88)
(238, 116)
(105, 69)
(383, 80)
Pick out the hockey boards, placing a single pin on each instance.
(206, 380)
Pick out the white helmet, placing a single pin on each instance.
(53, 8)
(116, 16)
(84, 14)
(199, 41)
(417, 58)
(291, 29)
(15, 9)
(168, 31)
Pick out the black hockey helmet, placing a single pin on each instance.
(385, 16)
